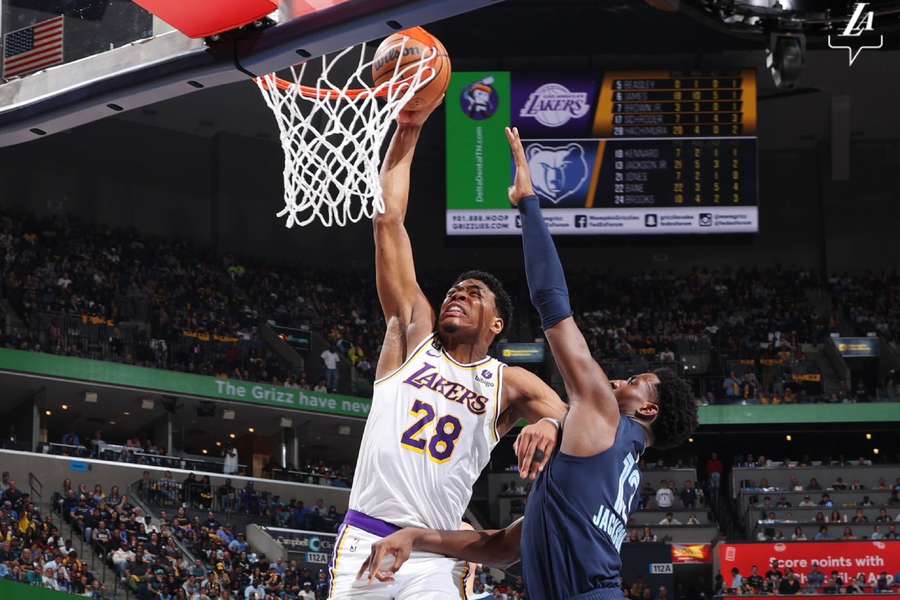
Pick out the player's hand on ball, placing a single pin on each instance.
(417, 118)
(534, 446)
(521, 187)
(388, 555)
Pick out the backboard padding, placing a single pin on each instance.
(204, 18)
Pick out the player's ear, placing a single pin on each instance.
(497, 325)
(648, 410)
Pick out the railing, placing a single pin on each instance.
(141, 501)
(122, 454)
(35, 489)
(309, 477)
(837, 362)
(79, 536)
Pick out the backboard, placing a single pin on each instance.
(70, 62)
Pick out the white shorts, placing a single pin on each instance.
(425, 576)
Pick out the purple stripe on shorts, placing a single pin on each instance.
(369, 524)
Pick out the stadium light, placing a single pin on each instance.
(219, 444)
(65, 407)
(48, 413)
(874, 450)
(788, 437)
(232, 435)
(785, 58)
(868, 436)
(251, 430)
(204, 451)
(691, 440)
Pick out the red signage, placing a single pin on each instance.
(691, 553)
(830, 597)
(849, 559)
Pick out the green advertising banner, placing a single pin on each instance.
(186, 384)
(478, 163)
(754, 414)
(158, 380)
(21, 591)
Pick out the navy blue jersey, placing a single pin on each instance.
(576, 517)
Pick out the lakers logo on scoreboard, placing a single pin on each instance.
(553, 105)
(858, 35)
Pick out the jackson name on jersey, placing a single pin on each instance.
(430, 432)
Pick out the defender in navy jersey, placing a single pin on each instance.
(576, 517)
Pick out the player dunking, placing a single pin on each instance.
(576, 517)
(439, 406)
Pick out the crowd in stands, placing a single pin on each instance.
(179, 556)
(785, 582)
(486, 587)
(871, 300)
(640, 590)
(33, 551)
(198, 494)
(755, 312)
(836, 517)
(688, 495)
(164, 303)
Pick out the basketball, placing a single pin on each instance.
(420, 41)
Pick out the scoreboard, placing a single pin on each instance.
(624, 152)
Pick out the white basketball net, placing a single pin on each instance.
(332, 134)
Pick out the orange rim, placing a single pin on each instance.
(312, 92)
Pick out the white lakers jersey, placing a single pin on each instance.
(430, 432)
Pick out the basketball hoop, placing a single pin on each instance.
(332, 134)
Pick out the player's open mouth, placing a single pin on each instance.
(454, 310)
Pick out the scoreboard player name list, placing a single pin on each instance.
(667, 153)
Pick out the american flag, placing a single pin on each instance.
(33, 48)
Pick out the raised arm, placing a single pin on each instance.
(494, 548)
(408, 315)
(593, 411)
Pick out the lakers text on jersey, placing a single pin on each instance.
(430, 432)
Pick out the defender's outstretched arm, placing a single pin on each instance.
(590, 393)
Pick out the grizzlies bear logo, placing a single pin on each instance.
(557, 172)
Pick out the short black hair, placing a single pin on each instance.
(677, 418)
(501, 298)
